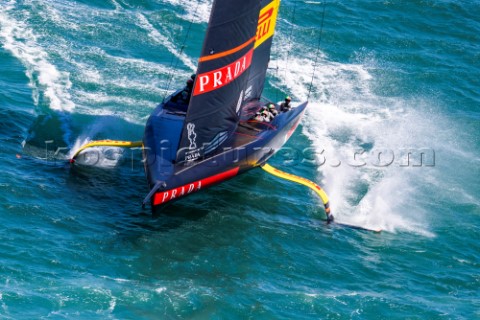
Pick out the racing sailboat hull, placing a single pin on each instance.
(202, 135)
(251, 145)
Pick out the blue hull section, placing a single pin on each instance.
(252, 144)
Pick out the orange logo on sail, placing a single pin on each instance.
(266, 22)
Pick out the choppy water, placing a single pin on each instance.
(392, 78)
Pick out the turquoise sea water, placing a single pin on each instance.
(392, 78)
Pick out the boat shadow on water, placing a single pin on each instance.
(112, 181)
(113, 178)
(203, 210)
(118, 193)
(51, 135)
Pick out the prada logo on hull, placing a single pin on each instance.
(165, 196)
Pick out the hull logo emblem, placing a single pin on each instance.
(192, 136)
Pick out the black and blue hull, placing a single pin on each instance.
(251, 145)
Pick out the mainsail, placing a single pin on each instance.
(266, 27)
(230, 71)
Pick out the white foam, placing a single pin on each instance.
(101, 292)
(345, 116)
(144, 68)
(110, 100)
(143, 74)
(79, 142)
(195, 11)
(118, 7)
(101, 157)
(60, 17)
(90, 75)
(155, 35)
(160, 290)
(119, 280)
(22, 42)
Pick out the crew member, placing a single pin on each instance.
(267, 116)
(187, 91)
(272, 110)
(266, 113)
(258, 117)
(285, 106)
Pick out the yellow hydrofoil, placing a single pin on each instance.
(106, 143)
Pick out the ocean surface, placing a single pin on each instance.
(391, 133)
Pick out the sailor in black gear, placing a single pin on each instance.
(187, 91)
(285, 106)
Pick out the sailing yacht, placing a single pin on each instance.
(208, 136)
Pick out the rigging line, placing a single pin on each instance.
(170, 78)
(167, 85)
(276, 91)
(290, 39)
(317, 50)
(182, 47)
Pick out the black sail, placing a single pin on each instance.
(222, 76)
(266, 27)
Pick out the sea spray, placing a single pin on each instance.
(366, 145)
